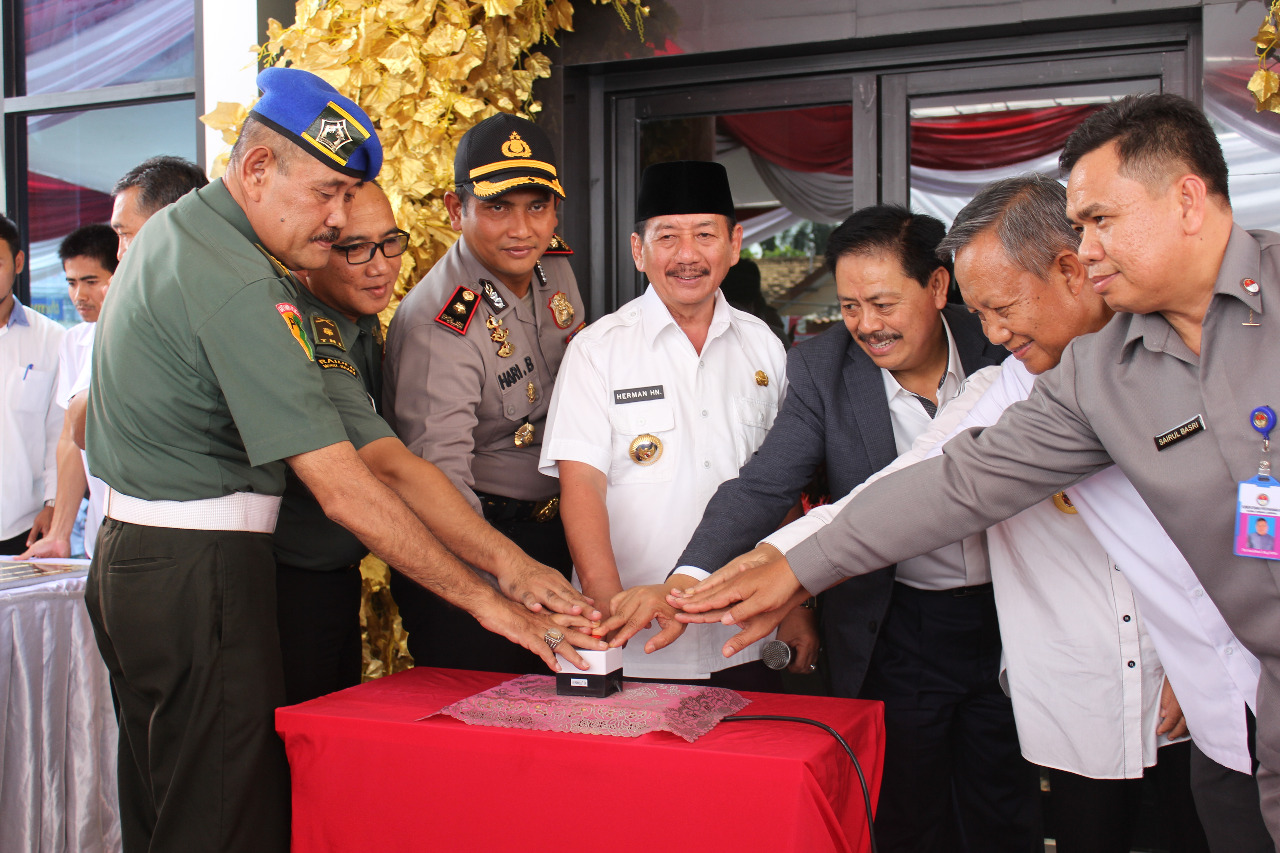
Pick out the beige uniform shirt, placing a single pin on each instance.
(456, 395)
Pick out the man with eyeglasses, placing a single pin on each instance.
(472, 357)
(318, 579)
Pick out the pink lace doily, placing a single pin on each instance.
(530, 702)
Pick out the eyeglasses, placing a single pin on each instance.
(362, 253)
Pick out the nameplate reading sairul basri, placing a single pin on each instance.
(1178, 433)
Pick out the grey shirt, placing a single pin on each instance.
(450, 394)
(1113, 394)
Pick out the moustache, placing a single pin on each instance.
(687, 270)
(874, 338)
(329, 235)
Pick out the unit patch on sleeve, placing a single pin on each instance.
(458, 311)
(293, 320)
(326, 333)
(328, 362)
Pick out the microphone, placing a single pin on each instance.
(775, 654)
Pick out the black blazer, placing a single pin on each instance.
(835, 411)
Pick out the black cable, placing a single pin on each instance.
(862, 780)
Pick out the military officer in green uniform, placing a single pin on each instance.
(204, 387)
(317, 561)
(472, 356)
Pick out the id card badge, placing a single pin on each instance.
(1257, 518)
(1258, 499)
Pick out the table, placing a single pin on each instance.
(370, 774)
(57, 726)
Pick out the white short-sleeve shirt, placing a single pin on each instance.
(634, 374)
(74, 368)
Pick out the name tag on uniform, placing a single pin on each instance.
(1178, 433)
(636, 395)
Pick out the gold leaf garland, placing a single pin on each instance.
(1265, 82)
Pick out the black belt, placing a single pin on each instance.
(955, 592)
(500, 508)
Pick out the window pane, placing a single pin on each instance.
(70, 45)
(74, 159)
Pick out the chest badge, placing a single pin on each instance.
(561, 309)
(532, 393)
(762, 379)
(1249, 285)
(499, 334)
(524, 435)
(1064, 504)
(645, 449)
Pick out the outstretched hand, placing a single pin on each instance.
(538, 586)
(636, 609)
(527, 629)
(754, 592)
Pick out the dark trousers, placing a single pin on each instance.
(954, 778)
(318, 614)
(442, 635)
(16, 545)
(1100, 815)
(186, 623)
(1228, 803)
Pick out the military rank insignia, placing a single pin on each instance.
(457, 312)
(326, 333)
(492, 296)
(558, 246)
(293, 320)
(561, 309)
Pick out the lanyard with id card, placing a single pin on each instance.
(1258, 499)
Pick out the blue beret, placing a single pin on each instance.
(322, 122)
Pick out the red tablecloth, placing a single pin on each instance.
(369, 774)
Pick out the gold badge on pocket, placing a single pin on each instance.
(762, 379)
(646, 449)
(524, 435)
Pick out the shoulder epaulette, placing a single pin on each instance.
(558, 246)
(457, 312)
(325, 332)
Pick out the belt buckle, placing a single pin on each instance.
(544, 511)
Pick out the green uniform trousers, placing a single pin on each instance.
(186, 622)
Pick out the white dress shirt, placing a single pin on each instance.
(74, 368)
(1213, 676)
(713, 411)
(946, 567)
(30, 420)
